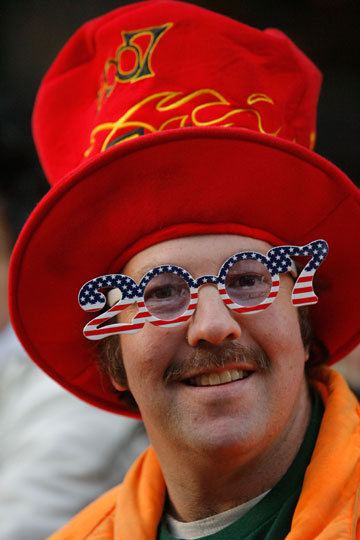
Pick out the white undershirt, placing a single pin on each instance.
(211, 524)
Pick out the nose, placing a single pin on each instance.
(212, 321)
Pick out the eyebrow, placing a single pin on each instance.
(138, 274)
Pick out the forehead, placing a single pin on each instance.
(197, 254)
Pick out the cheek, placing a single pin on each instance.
(286, 333)
(127, 315)
(132, 348)
(146, 355)
(136, 365)
(277, 331)
(286, 352)
(149, 351)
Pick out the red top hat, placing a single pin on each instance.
(159, 120)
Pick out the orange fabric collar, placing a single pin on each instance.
(329, 503)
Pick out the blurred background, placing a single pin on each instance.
(33, 31)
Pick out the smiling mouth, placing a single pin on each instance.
(216, 379)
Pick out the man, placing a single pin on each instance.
(57, 453)
(191, 217)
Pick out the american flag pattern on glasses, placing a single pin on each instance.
(248, 282)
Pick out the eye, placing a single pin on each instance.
(162, 293)
(167, 296)
(248, 282)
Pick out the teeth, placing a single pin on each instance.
(236, 374)
(218, 378)
(214, 378)
(225, 376)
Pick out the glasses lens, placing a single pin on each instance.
(167, 296)
(248, 282)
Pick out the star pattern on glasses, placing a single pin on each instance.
(280, 256)
(91, 298)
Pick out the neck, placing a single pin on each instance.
(200, 484)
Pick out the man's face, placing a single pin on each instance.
(164, 366)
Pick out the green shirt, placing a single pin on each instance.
(270, 519)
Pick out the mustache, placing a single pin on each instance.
(218, 356)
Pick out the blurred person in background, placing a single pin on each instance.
(349, 367)
(57, 453)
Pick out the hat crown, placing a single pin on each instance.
(163, 64)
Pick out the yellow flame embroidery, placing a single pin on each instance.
(312, 140)
(172, 100)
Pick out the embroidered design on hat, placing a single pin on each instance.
(132, 61)
(170, 109)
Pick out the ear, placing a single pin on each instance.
(119, 387)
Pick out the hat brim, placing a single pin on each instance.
(185, 181)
